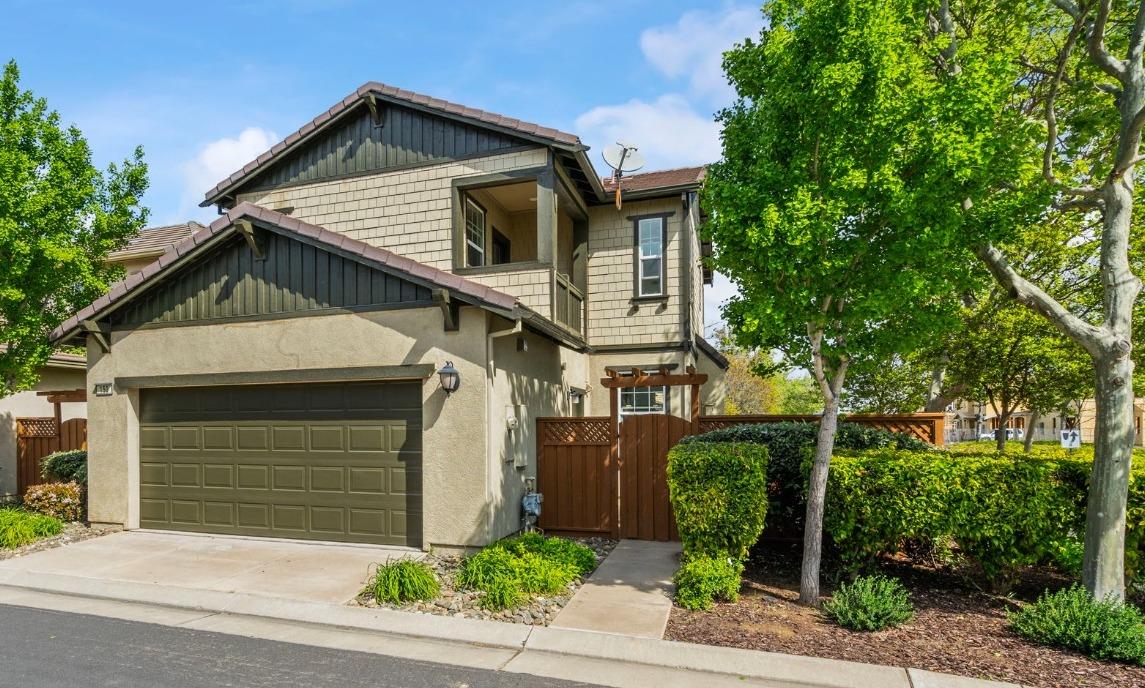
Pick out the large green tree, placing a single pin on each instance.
(831, 209)
(59, 218)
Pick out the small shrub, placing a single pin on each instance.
(508, 570)
(19, 527)
(719, 497)
(568, 552)
(870, 603)
(404, 581)
(66, 466)
(58, 500)
(701, 580)
(1071, 618)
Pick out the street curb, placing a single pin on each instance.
(752, 664)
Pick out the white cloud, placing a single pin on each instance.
(219, 158)
(693, 48)
(668, 131)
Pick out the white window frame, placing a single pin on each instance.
(643, 260)
(649, 394)
(472, 205)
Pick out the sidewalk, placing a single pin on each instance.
(588, 656)
(630, 594)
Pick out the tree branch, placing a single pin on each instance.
(1096, 44)
(1088, 336)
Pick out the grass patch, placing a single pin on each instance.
(19, 527)
(509, 570)
(1071, 618)
(404, 581)
(870, 603)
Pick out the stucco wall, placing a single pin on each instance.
(529, 385)
(613, 317)
(455, 466)
(28, 405)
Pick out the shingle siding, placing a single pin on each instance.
(409, 212)
(614, 318)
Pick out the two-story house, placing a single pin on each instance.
(359, 347)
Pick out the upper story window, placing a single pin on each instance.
(474, 233)
(651, 235)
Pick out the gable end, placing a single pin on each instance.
(296, 278)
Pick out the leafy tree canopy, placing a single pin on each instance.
(59, 218)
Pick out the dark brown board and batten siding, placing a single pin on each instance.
(355, 146)
(295, 277)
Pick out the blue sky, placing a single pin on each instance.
(205, 87)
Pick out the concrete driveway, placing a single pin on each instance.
(312, 572)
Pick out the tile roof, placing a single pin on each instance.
(466, 289)
(394, 93)
(658, 179)
(157, 239)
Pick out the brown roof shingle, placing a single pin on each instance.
(658, 179)
(464, 288)
(385, 90)
(157, 239)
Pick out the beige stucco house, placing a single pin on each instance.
(968, 420)
(277, 374)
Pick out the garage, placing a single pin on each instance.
(325, 461)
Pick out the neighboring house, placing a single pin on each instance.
(278, 373)
(67, 372)
(63, 372)
(967, 420)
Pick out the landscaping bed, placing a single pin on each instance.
(957, 629)
(455, 600)
(72, 532)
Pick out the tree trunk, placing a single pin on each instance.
(1000, 433)
(1034, 416)
(1103, 566)
(816, 500)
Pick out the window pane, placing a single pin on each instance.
(650, 287)
(474, 234)
(637, 400)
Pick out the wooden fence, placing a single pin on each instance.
(576, 475)
(928, 427)
(38, 437)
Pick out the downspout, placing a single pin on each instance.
(490, 417)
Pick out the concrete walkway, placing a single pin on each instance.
(310, 572)
(630, 594)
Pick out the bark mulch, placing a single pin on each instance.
(958, 629)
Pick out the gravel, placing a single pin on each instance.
(539, 610)
(73, 532)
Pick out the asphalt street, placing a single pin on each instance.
(44, 649)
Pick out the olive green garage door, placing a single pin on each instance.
(319, 461)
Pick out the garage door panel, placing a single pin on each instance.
(348, 468)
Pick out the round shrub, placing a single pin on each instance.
(719, 497)
(19, 527)
(701, 580)
(58, 500)
(66, 466)
(404, 581)
(870, 603)
(1071, 618)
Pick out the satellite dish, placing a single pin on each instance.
(622, 157)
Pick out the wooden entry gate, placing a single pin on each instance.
(38, 437)
(607, 476)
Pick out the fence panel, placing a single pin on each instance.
(39, 437)
(576, 476)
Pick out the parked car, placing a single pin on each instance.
(1011, 434)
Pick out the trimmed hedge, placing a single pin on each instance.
(1004, 511)
(700, 580)
(719, 497)
(65, 466)
(789, 446)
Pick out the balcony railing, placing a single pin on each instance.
(568, 303)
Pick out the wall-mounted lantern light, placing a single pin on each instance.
(450, 377)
